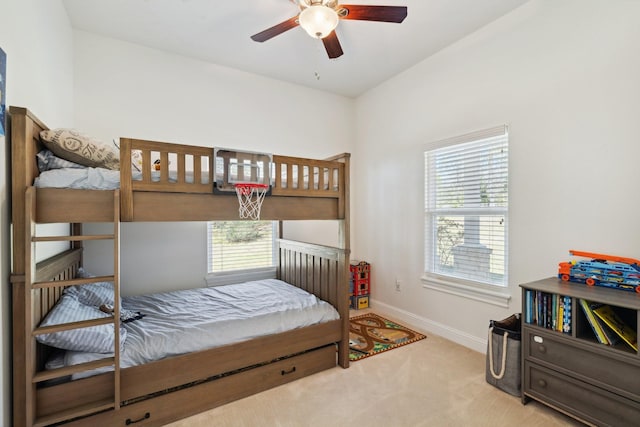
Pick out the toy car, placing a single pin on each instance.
(602, 270)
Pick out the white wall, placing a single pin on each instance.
(37, 39)
(564, 76)
(123, 89)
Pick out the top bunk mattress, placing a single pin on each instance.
(192, 320)
(97, 178)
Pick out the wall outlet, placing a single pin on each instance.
(398, 285)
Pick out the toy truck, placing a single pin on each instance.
(602, 270)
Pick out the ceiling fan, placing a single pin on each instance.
(319, 19)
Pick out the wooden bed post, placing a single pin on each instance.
(344, 238)
(24, 127)
(126, 192)
(345, 241)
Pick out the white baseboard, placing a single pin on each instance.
(447, 332)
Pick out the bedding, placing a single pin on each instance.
(197, 319)
(97, 178)
(98, 339)
(47, 161)
(76, 147)
(93, 294)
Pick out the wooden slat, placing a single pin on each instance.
(116, 297)
(151, 206)
(73, 238)
(126, 192)
(73, 369)
(72, 282)
(197, 173)
(51, 268)
(148, 146)
(31, 310)
(164, 167)
(181, 167)
(173, 187)
(146, 166)
(61, 205)
(72, 325)
(78, 411)
(67, 395)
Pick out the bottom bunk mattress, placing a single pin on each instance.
(186, 321)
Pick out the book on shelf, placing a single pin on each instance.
(593, 322)
(612, 337)
(566, 314)
(617, 325)
(550, 311)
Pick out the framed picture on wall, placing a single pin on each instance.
(3, 74)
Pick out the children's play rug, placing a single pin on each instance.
(370, 334)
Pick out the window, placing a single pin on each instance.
(241, 245)
(466, 207)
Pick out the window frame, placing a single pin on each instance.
(496, 294)
(224, 277)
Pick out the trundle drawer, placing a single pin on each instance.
(188, 401)
(586, 402)
(597, 365)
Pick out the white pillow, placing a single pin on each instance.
(96, 339)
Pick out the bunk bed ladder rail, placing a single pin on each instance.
(45, 277)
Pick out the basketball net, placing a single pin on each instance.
(250, 198)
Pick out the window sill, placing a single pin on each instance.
(239, 276)
(479, 292)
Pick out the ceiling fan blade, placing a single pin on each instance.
(375, 13)
(269, 33)
(332, 45)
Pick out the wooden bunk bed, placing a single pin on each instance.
(162, 391)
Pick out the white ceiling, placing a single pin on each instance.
(218, 32)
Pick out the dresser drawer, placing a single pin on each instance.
(616, 372)
(586, 402)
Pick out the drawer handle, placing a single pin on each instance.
(542, 349)
(290, 371)
(130, 421)
(542, 383)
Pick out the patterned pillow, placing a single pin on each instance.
(76, 147)
(94, 294)
(95, 339)
(47, 161)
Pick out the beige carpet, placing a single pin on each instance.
(432, 382)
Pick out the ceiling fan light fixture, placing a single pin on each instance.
(318, 20)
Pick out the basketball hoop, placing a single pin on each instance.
(250, 196)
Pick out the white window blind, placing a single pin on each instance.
(240, 245)
(466, 207)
